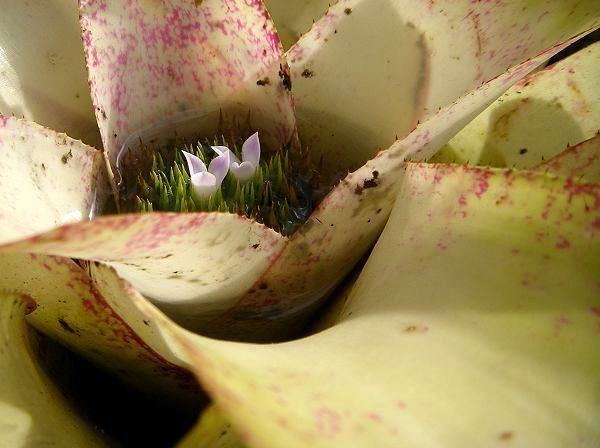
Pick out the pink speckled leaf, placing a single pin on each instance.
(480, 303)
(367, 71)
(195, 265)
(91, 314)
(42, 68)
(581, 161)
(159, 69)
(33, 411)
(349, 220)
(536, 118)
(46, 179)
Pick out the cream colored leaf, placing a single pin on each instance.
(580, 161)
(42, 68)
(479, 303)
(33, 411)
(535, 119)
(46, 179)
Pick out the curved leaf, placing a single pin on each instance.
(479, 303)
(580, 161)
(91, 315)
(195, 265)
(42, 68)
(535, 119)
(33, 411)
(367, 71)
(162, 68)
(46, 179)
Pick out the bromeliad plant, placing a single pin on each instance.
(161, 70)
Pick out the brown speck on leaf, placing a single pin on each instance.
(255, 246)
(370, 183)
(379, 210)
(263, 285)
(523, 151)
(66, 157)
(307, 73)
(411, 329)
(65, 326)
(285, 78)
(506, 435)
(348, 11)
(263, 82)
(197, 2)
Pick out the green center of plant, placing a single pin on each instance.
(275, 194)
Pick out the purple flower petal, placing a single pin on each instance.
(205, 184)
(243, 172)
(195, 165)
(251, 150)
(220, 165)
(221, 149)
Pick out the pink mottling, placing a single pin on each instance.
(563, 243)
(560, 322)
(328, 421)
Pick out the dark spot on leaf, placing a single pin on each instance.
(286, 80)
(506, 435)
(65, 326)
(255, 246)
(146, 323)
(307, 73)
(348, 11)
(66, 157)
(263, 285)
(523, 151)
(379, 210)
(370, 183)
(375, 174)
(263, 82)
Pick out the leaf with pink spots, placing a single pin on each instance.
(536, 119)
(470, 293)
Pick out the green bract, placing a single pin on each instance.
(475, 318)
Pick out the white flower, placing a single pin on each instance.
(207, 182)
(243, 171)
